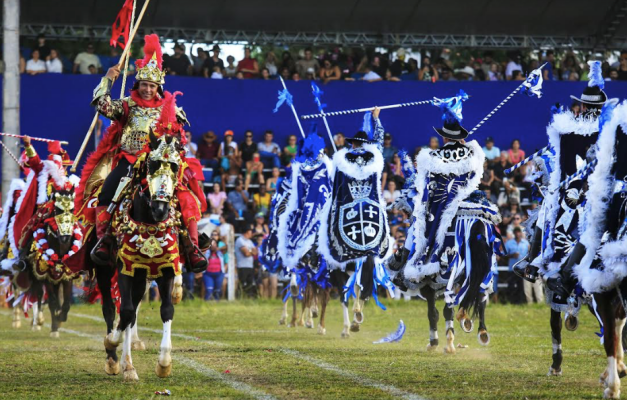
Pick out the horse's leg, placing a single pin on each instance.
(556, 336)
(294, 293)
(284, 314)
(137, 343)
(17, 309)
(433, 315)
(305, 318)
(103, 277)
(66, 287)
(324, 294)
(138, 289)
(38, 314)
(449, 314)
(619, 313)
(55, 308)
(177, 292)
(314, 302)
(164, 364)
(482, 334)
(347, 324)
(610, 375)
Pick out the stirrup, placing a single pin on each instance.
(99, 249)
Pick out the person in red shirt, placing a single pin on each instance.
(248, 66)
(207, 151)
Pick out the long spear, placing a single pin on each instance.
(122, 58)
(12, 155)
(317, 93)
(286, 97)
(526, 160)
(33, 138)
(580, 174)
(361, 110)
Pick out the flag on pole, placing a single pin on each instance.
(121, 25)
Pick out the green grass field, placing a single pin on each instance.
(266, 361)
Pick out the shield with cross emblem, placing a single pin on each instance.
(361, 224)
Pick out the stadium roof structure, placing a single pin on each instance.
(597, 24)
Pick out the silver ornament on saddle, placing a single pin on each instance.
(163, 164)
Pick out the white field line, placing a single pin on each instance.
(188, 362)
(293, 353)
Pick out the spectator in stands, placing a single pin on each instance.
(247, 148)
(307, 65)
(273, 181)
(230, 69)
(287, 62)
(515, 153)
(111, 60)
(518, 76)
(515, 223)
(286, 74)
(492, 153)
(330, 71)
(231, 165)
(265, 74)
(613, 75)
(261, 201)
(207, 151)
(388, 149)
(621, 72)
(569, 65)
(295, 77)
(22, 63)
(179, 63)
(254, 172)
(370, 75)
(228, 142)
(511, 194)
(465, 74)
(238, 199)
(245, 250)
(85, 59)
(261, 227)
(213, 275)
(395, 170)
(499, 172)
(35, 65)
(479, 74)
(217, 73)
(488, 177)
(210, 64)
(289, 151)
(513, 64)
(495, 72)
(198, 61)
(270, 63)
(434, 143)
(547, 71)
(447, 74)
(42, 46)
(399, 66)
(53, 64)
(248, 66)
(269, 151)
(389, 77)
(216, 199)
(340, 142)
(391, 194)
(517, 248)
(191, 148)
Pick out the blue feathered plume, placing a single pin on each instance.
(310, 148)
(317, 95)
(393, 337)
(451, 107)
(606, 112)
(284, 97)
(595, 76)
(407, 164)
(367, 124)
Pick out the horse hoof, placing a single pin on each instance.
(571, 323)
(294, 291)
(282, 321)
(314, 313)
(359, 317)
(108, 345)
(54, 335)
(16, 324)
(130, 375)
(554, 372)
(300, 323)
(36, 327)
(345, 334)
(163, 372)
(449, 350)
(483, 337)
(431, 347)
(177, 295)
(309, 325)
(40, 318)
(611, 394)
(112, 367)
(138, 345)
(355, 327)
(322, 331)
(466, 324)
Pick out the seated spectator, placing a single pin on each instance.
(238, 199)
(388, 149)
(261, 201)
(515, 153)
(289, 151)
(427, 72)
(239, 75)
(216, 199)
(479, 74)
(111, 60)
(254, 172)
(231, 166)
(93, 70)
(270, 64)
(499, 172)
(287, 62)
(518, 76)
(245, 250)
(217, 73)
(214, 274)
(35, 65)
(286, 74)
(447, 74)
(248, 66)
(179, 63)
(307, 65)
(434, 143)
(296, 77)
(207, 151)
(330, 71)
(228, 142)
(265, 74)
(389, 77)
(487, 179)
(370, 75)
(230, 68)
(492, 152)
(247, 148)
(198, 61)
(191, 148)
(512, 65)
(495, 73)
(269, 151)
(261, 227)
(53, 64)
(85, 59)
(396, 171)
(273, 181)
(211, 63)
(511, 194)
(340, 142)
(391, 194)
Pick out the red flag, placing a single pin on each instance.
(121, 25)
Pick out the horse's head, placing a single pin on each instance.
(64, 218)
(163, 163)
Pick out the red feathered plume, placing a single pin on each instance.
(151, 46)
(54, 147)
(167, 123)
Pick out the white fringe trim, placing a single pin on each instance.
(360, 172)
(16, 184)
(18, 206)
(52, 171)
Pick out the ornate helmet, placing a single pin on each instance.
(57, 154)
(151, 67)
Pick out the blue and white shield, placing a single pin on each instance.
(361, 224)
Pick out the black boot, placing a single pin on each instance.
(399, 259)
(523, 268)
(399, 281)
(563, 283)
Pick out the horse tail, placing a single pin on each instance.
(480, 261)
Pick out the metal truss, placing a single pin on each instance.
(82, 32)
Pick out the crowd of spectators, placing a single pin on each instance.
(333, 64)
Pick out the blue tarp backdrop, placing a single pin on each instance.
(57, 106)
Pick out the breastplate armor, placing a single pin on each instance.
(135, 133)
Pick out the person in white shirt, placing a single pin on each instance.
(53, 64)
(35, 66)
(391, 194)
(85, 59)
(245, 250)
(190, 148)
